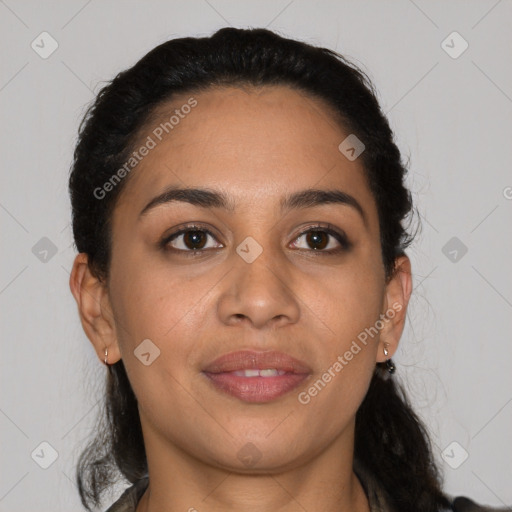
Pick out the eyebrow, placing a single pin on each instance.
(206, 198)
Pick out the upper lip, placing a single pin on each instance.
(250, 359)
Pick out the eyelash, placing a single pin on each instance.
(345, 245)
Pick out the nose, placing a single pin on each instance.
(259, 293)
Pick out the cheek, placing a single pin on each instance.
(348, 301)
(149, 301)
(350, 306)
(148, 306)
(158, 303)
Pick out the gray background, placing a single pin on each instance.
(452, 116)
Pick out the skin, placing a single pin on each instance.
(255, 145)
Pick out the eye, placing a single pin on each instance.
(192, 239)
(323, 240)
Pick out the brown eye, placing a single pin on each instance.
(323, 240)
(190, 240)
(194, 239)
(317, 239)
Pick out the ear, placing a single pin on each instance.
(398, 292)
(95, 309)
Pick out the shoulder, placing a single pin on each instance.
(464, 504)
(128, 501)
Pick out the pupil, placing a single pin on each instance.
(194, 237)
(314, 238)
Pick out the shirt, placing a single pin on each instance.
(378, 498)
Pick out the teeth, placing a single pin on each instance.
(248, 373)
(271, 372)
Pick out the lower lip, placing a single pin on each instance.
(256, 389)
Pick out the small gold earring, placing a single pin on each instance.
(386, 345)
(106, 356)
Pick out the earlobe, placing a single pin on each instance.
(96, 315)
(398, 293)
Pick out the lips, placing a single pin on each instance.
(256, 376)
(252, 360)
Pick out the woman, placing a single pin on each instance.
(237, 208)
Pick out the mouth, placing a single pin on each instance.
(256, 377)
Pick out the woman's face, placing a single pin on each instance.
(257, 283)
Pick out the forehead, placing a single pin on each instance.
(254, 144)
